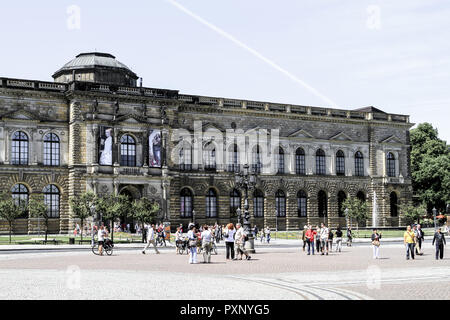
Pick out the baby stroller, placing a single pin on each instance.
(182, 246)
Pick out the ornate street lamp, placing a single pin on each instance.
(193, 217)
(246, 180)
(238, 213)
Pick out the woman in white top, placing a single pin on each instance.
(192, 244)
(178, 239)
(229, 240)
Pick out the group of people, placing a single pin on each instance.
(413, 238)
(321, 239)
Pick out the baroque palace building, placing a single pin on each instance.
(96, 128)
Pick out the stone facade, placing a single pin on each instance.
(77, 111)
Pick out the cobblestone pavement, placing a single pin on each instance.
(273, 273)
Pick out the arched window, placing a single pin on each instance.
(185, 161)
(51, 199)
(280, 161)
(359, 164)
(341, 197)
(300, 167)
(209, 156)
(256, 160)
(390, 159)
(302, 203)
(393, 204)
(320, 162)
(280, 203)
(19, 148)
(211, 204)
(186, 203)
(20, 195)
(235, 201)
(361, 196)
(51, 150)
(258, 203)
(322, 203)
(127, 151)
(233, 158)
(340, 163)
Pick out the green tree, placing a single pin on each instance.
(413, 214)
(356, 209)
(38, 209)
(10, 211)
(144, 211)
(430, 167)
(118, 206)
(81, 207)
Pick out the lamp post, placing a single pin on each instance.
(276, 223)
(246, 180)
(92, 208)
(193, 217)
(434, 217)
(346, 215)
(238, 213)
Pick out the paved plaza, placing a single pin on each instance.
(280, 271)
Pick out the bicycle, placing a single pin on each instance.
(160, 241)
(108, 246)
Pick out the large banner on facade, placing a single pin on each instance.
(105, 147)
(155, 144)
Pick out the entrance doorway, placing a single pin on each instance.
(132, 192)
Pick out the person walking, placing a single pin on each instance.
(330, 241)
(207, 239)
(239, 242)
(178, 240)
(268, 234)
(317, 239)
(305, 229)
(309, 235)
(229, 241)
(151, 239)
(349, 237)
(410, 240)
(420, 236)
(439, 241)
(338, 239)
(376, 243)
(192, 237)
(263, 235)
(324, 232)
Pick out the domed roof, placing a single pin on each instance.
(95, 61)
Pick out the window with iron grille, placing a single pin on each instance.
(51, 199)
(256, 160)
(186, 203)
(19, 148)
(235, 202)
(233, 159)
(209, 157)
(280, 158)
(280, 203)
(359, 164)
(185, 159)
(340, 163)
(258, 203)
(51, 150)
(320, 162)
(211, 204)
(127, 151)
(20, 196)
(300, 167)
(302, 203)
(390, 164)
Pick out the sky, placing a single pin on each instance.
(394, 55)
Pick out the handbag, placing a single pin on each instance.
(376, 243)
